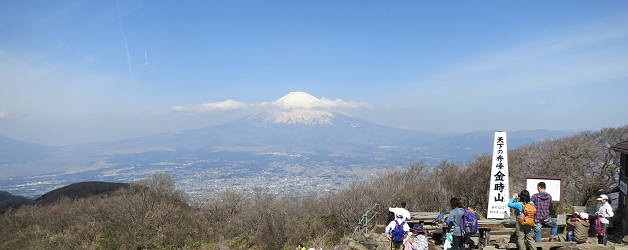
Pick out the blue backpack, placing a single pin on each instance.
(398, 233)
(469, 223)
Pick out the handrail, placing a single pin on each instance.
(364, 221)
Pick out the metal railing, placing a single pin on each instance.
(366, 219)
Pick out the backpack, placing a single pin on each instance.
(398, 233)
(526, 218)
(469, 223)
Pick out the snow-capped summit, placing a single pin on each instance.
(298, 100)
(301, 108)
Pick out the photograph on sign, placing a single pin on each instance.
(553, 186)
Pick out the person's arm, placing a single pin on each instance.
(585, 223)
(514, 204)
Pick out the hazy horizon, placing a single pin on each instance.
(76, 72)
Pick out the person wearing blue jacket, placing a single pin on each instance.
(455, 216)
(525, 234)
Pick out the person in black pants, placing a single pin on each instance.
(455, 216)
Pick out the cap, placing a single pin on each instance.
(602, 197)
(584, 215)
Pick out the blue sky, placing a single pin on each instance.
(84, 71)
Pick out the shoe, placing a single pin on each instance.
(552, 240)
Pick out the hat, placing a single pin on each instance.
(602, 197)
(584, 215)
(417, 228)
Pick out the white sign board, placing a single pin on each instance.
(552, 187)
(499, 194)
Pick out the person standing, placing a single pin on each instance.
(396, 232)
(604, 212)
(455, 216)
(543, 201)
(401, 210)
(524, 232)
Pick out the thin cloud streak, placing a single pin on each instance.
(585, 57)
(124, 39)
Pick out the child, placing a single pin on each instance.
(573, 218)
(580, 228)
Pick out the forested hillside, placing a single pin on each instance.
(153, 214)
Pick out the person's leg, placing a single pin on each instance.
(520, 237)
(397, 246)
(570, 236)
(529, 238)
(467, 240)
(537, 231)
(554, 226)
(605, 233)
(458, 243)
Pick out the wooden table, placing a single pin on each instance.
(491, 226)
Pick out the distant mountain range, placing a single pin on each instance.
(343, 136)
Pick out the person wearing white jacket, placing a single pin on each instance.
(401, 210)
(604, 212)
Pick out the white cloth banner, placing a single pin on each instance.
(499, 194)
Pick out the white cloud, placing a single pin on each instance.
(292, 101)
(3, 113)
(212, 106)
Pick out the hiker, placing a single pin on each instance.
(542, 200)
(604, 212)
(418, 241)
(525, 219)
(400, 210)
(300, 247)
(469, 226)
(396, 232)
(455, 216)
(580, 227)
